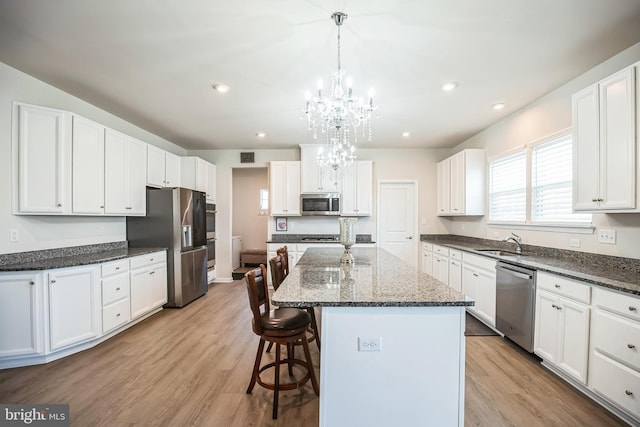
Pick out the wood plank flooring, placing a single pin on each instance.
(191, 367)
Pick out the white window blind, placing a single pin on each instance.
(508, 188)
(551, 183)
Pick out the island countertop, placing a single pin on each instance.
(376, 279)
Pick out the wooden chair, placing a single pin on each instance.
(284, 253)
(286, 326)
(278, 274)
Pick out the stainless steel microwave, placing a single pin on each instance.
(320, 204)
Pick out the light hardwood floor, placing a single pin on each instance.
(191, 367)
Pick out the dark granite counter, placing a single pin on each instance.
(70, 257)
(376, 279)
(621, 274)
(315, 238)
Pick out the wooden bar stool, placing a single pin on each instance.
(286, 326)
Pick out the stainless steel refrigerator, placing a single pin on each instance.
(176, 219)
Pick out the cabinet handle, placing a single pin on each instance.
(32, 282)
(631, 346)
(557, 286)
(53, 280)
(632, 308)
(59, 205)
(151, 272)
(475, 274)
(117, 268)
(128, 207)
(628, 392)
(117, 289)
(118, 315)
(594, 200)
(150, 259)
(601, 200)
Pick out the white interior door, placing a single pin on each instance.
(397, 215)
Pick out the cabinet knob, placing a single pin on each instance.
(631, 346)
(150, 259)
(32, 282)
(118, 315)
(151, 272)
(628, 392)
(601, 200)
(128, 207)
(475, 274)
(594, 200)
(632, 308)
(557, 286)
(53, 280)
(117, 289)
(117, 268)
(102, 207)
(59, 205)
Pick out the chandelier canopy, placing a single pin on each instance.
(339, 114)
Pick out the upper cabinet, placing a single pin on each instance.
(211, 183)
(88, 166)
(460, 184)
(42, 160)
(125, 192)
(284, 188)
(604, 144)
(163, 168)
(315, 178)
(357, 189)
(200, 175)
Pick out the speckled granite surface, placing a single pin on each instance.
(315, 238)
(377, 279)
(622, 274)
(70, 257)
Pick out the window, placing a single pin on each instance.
(547, 165)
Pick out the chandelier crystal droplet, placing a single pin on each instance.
(340, 115)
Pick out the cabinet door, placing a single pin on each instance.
(618, 141)
(156, 166)
(136, 178)
(486, 293)
(427, 262)
(547, 326)
(172, 170)
(455, 275)
(20, 315)
(142, 292)
(44, 160)
(357, 189)
(277, 188)
(159, 285)
(74, 306)
(469, 285)
(88, 166)
(443, 202)
(115, 172)
(586, 149)
(457, 184)
(441, 269)
(293, 188)
(211, 183)
(573, 346)
(202, 174)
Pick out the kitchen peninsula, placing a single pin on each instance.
(392, 339)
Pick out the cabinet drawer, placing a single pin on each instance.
(453, 254)
(441, 250)
(115, 267)
(616, 382)
(616, 336)
(563, 286)
(116, 314)
(145, 260)
(115, 288)
(625, 305)
(480, 261)
(427, 247)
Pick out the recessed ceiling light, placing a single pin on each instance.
(498, 106)
(449, 86)
(219, 87)
(406, 134)
(261, 134)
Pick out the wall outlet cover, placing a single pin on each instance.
(607, 236)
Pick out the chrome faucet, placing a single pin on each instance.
(517, 240)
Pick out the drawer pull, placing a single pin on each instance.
(628, 392)
(632, 308)
(631, 346)
(53, 280)
(150, 259)
(117, 268)
(32, 282)
(118, 315)
(151, 272)
(557, 286)
(117, 289)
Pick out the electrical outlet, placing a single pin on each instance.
(607, 236)
(369, 343)
(574, 243)
(423, 221)
(13, 235)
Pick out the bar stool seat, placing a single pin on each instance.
(285, 320)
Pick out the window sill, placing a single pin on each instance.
(555, 228)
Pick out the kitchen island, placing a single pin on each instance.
(392, 339)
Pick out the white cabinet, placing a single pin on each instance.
(479, 283)
(88, 166)
(562, 323)
(284, 188)
(125, 174)
(148, 281)
(21, 309)
(163, 168)
(604, 144)
(42, 154)
(427, 258)
(441, 263)
(357, 189)
(455, 270)
(74, 306)
(194, 173)
(211, 183)
(116, 310)
(460, 184)
(315, 178)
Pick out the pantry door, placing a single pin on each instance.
(397, 216)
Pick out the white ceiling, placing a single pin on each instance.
(153, 62)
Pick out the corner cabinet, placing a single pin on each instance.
(42, 160)
(605, 144)
(21, 314)
(460, 184)
(284, 188)
(125, 179)
(357, 189)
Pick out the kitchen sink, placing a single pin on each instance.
(498, 252)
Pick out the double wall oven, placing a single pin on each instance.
(211, 241)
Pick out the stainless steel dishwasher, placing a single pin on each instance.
(515, 303)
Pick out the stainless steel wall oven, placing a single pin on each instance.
(211, 235)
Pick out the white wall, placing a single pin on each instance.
(46, 232)
(251, 227)
(547, 115)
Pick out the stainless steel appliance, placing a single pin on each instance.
(176, 220)
(320, 204)
(211, 240)
(515, 303)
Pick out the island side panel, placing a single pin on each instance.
(416, 379)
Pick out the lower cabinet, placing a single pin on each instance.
(479, 283)
(21, 314)
(74, 306)
(148, 279)
(441, 268)
(116, 310)
(455, 270)
(427, 258)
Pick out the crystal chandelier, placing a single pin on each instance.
(339, 115)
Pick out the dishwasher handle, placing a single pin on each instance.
(515, 273)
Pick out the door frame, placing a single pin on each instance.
(415, 235)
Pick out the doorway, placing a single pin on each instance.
(397, 219)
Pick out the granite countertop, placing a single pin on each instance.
(621, 274)
(315, 238)
(376, 279)
(75, 259)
